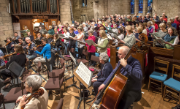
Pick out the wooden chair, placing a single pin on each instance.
(55, 78)
(55, 73)
(55, 83)
(12, 95)
(172, 83)
(159, 74)
(95, 59)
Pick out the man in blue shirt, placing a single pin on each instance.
(131, 68)
(46, 52)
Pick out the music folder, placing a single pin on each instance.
(90, 42)
(61, 36)
(84, 75)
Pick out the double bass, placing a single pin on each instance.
(114, 89)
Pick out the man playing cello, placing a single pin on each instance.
(132, 70)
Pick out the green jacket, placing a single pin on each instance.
(51, 32)
(25, 34)
(169, 46)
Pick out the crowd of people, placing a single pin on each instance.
(124, 29)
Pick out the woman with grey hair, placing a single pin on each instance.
(33, 84)
(104, 73)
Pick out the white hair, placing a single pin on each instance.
(28, 38)
(34, 81)
(104, 57)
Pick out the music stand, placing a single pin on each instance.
(16, 41)
(3, 50)
(38, 42)
(85, 81)
(76, 64)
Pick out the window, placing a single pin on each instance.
(150, 6)
(140, 6)
(132, 6)
(84, 3)
(149, 2)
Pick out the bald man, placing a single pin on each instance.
(132, 70)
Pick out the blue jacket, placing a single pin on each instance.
(105, 72)
(133, 72)
(46, 51)
(174, 25)
(2, 63)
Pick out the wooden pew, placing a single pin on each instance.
(162, 52)
(139, 55)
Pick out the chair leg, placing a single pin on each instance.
(179, 98)
(162, 88)
(4, 106)
(149, 84)
(164, 92)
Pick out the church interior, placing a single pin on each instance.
(89, 54)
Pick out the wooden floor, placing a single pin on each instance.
(150, 100)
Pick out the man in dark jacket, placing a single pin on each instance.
(131, 68)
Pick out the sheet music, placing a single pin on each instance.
(109, 37)
(71, 37)
(90, 42)
(159, 39)
(84, 73)
(72, 57)
(61, 36)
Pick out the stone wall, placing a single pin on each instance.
(78, 10)
(170, 7)
(6, 29)
(65, 12)
(107, 7)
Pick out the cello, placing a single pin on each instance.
(114, 89)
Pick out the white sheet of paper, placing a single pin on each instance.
(109, 37)
(71, 37)
(72, 57)
(84, 73)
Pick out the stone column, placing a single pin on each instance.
(136, 6)
(6, 28)
(65, 12)
(127, 7)
(145, 3)
(96, 9)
